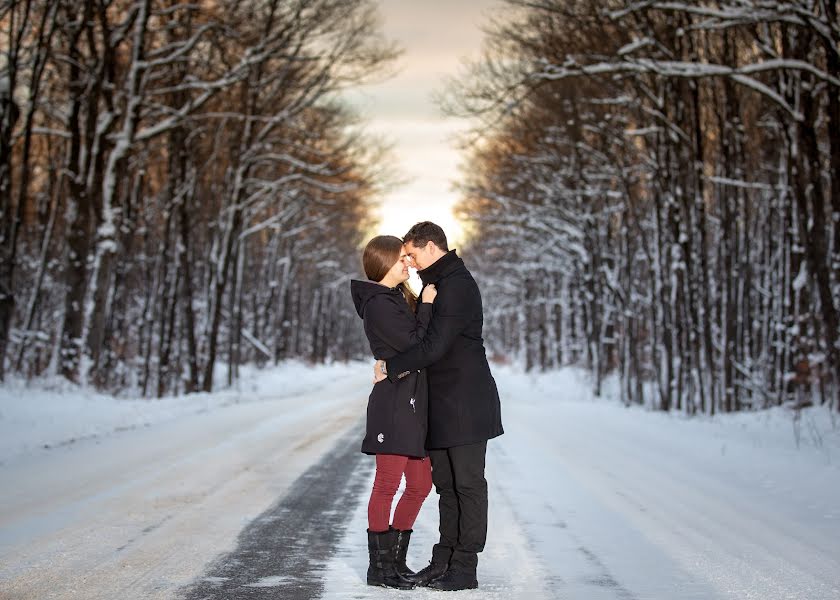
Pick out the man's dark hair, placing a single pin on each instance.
(425, 232)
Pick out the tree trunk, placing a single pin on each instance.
(80, 215)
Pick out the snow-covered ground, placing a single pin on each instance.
(588, 499)
(50, 413)
(134, 511)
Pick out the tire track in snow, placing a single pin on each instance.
(650, 512)
(568, 567)
(281, 553)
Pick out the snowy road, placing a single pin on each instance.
(267, 499)
(140, 513)
(591, 501)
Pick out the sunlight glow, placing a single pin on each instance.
(398, 217)
(426, 158)
(436, 36)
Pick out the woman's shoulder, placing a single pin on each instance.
(387, 297)
(384, 304)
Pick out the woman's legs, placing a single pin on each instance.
(389, 472)
(418, 484)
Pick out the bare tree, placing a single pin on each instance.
(177, 160)
(686, 142)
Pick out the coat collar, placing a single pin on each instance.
(446, 264)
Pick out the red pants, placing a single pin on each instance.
(389, 472)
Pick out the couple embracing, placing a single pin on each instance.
(432, 409)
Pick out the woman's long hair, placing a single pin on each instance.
(379, 256)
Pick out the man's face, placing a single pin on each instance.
(420, 256)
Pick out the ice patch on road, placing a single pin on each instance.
(270, 581)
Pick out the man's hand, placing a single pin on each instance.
(379, 371)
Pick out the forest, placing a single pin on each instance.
(654, 193)
(181, 185)
(651, 190)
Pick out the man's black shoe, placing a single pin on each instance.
(431, 573)
(453, 580)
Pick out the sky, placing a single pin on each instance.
(436, 37)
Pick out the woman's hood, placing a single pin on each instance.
(363, 291)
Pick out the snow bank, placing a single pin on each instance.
(812, 435)
(47, 413)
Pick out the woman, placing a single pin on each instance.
(396, 412)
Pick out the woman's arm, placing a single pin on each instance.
(391, 322)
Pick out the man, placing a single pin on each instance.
(464, 408)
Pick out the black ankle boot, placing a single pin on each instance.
(461, 574)
(455, 579)
(382, 569)
(425, 576)
(437, 566)
(403, 537)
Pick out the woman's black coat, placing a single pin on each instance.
(464, 405)
(397, 412)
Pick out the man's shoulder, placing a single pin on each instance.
(460, 284)
(459, 277)
(462, 274)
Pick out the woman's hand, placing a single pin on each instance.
(429, 293)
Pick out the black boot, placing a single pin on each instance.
(436, 568)
(382, 569)
(403, 537)
(455, 579)
(423, 577)
(460, 575)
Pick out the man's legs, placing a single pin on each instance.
(471, 492)
(458, 474)
(442, 477)
(448, 509)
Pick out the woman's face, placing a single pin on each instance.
(399, 272)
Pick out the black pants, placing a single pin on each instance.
(458, 475)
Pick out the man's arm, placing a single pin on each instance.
(450, 318)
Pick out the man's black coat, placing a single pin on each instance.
(396, 411)
(464, 405)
